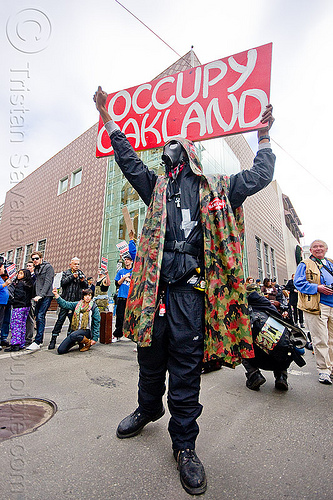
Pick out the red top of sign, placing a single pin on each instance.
(224, 97)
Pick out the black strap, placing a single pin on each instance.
(323, 265)
(181, 247)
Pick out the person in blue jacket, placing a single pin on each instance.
(122, 280)
(314, 281)
(85, 323)
(4, 294)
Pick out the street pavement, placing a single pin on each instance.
(265, 445)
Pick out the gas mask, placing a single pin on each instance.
(174, 157)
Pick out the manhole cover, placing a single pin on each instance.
(22, 416)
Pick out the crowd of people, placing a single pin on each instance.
(283, 297)
(26, 298)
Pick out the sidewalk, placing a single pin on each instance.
(262, 445)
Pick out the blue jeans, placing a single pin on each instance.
(72, 339)
(6, 322)
(41, 310)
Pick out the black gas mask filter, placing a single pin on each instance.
(174, 158)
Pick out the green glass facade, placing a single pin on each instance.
(216, 157)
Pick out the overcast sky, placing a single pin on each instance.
(67, 48)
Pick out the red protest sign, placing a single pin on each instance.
(224, 97)
(104, 264)
(122, 247)
(11, 271)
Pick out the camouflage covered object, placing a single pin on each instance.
(227, 324)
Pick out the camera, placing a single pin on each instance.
(330, 286)
(80, 274)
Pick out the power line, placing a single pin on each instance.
(298, 163)
(123, 6)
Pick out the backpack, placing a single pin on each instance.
(275, 341)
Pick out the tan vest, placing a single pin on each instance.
(310, 303)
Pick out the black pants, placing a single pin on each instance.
(2, 315)
(177, 347)
(63, 314)
(5, 323)
(120, 313)
(297, 314)
(72, 339)
(30, 324)
(251, 367)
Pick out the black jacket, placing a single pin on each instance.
(186, 213)
(293, 294)
(72, 287)
(22, 295)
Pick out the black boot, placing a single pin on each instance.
(192, 472)
(131, 426)
(13, 348)
(255, 380)
(281, 381)
(53, 341)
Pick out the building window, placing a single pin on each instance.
(63, 185)
(76, 177)
(27, 255)
(121, 231)
(18, 257)
(41, 246)
(259, 258)
(128, 194)
(267, 266)
(273, 263)
(10, 254)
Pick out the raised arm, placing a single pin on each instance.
(248, 182)
(135, 171)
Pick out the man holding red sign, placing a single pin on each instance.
(187, 299)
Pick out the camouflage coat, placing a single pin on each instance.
(227, 325)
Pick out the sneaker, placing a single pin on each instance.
(33, 347)
(115, 339)
(324, 378)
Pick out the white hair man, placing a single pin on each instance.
(314, 279)
(73, 281)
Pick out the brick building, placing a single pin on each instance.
(58, 209)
